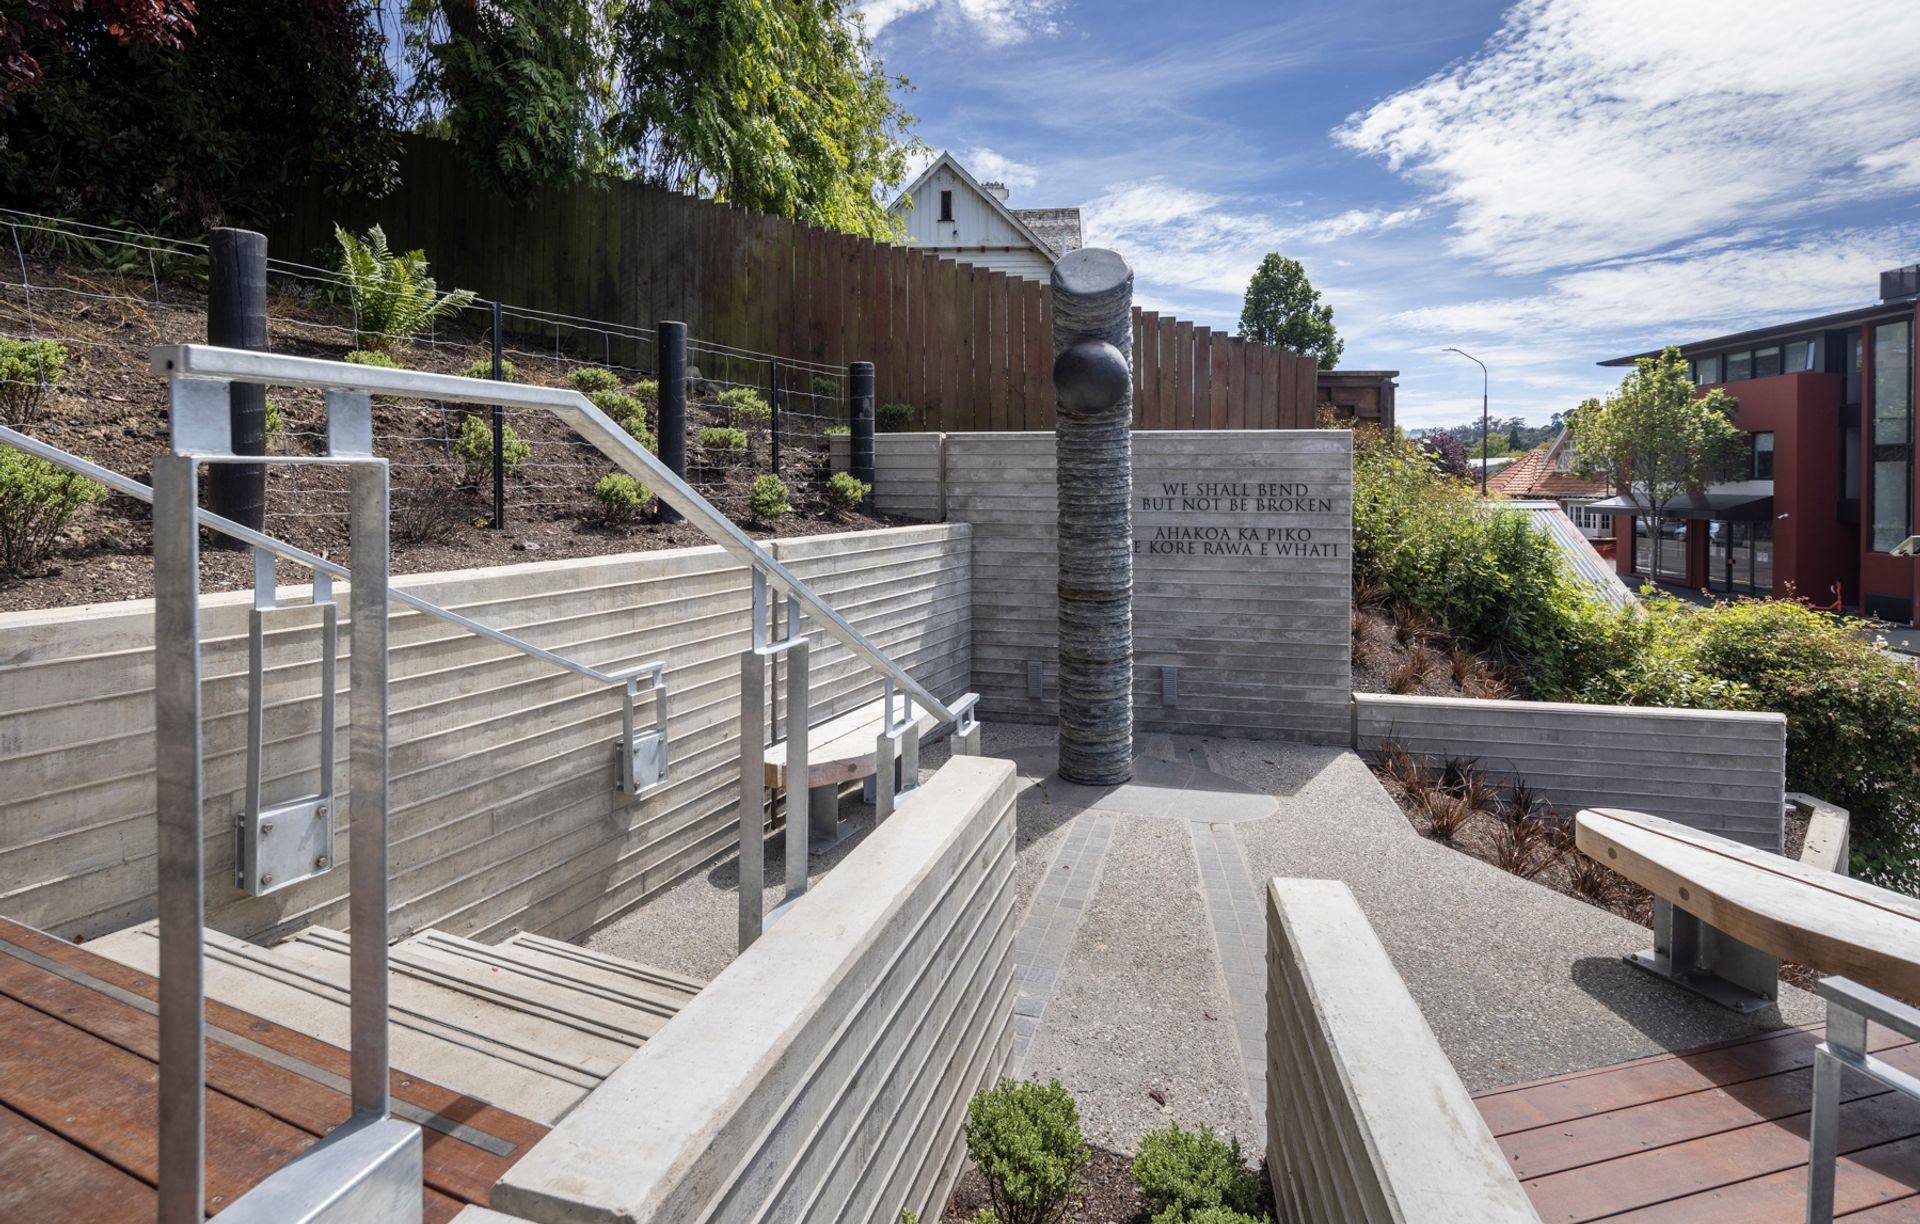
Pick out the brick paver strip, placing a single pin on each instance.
(1045, 937)
(1233, 909)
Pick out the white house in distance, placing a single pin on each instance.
(949, 211)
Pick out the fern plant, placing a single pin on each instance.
(393, 297)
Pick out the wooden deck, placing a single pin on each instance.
(78, 1035)
(1717, 1134)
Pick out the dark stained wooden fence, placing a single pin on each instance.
(971, 348)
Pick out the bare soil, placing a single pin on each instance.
(1396, 653)
(111, 409)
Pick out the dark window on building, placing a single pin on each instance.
(1763, 456)
(1739, 366)
(1706, 370)
(1767, 362)
(1892, 434)
(1673, 549)
(1799, 356)
(1740, 557)
(946, 206)
(1850, 366)
(1850, 463)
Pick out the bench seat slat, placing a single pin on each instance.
(1829, 922)
(842, 748)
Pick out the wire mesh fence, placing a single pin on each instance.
(90, 301)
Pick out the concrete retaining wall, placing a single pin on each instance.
(1366, 1119)
(504, 813)
(824, 1074)
(1711, 769)
(1242, 579)
(908, 473)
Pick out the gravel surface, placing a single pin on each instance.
(1517, 981)
(1129, 1016)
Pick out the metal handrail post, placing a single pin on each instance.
(367, 836)
(182, 874)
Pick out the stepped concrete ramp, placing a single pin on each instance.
(532, 1025)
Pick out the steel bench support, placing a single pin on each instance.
(1708, 961)
(1849, 1007)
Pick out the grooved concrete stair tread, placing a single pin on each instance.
(248, 977)
(532, 1025)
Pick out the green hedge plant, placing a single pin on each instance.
(846, 493)
(746, 409)
(628, 412)
(589, 379)
(393, 297)
(1025, 1139)
(893, 418)
(621, 498)
(769, 500)
(474, 449)
(483, 368)
(37, 499)
(372, 357)
(28, 371)
(1182, 1173)
(723, 444)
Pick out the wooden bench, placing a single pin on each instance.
(1725, 914)
(843, 749)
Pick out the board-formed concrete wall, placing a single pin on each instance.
(824, 1074)
(1242, 579)
(1366, 1119)
(504, 813)
(909, 473)
(1722, 771)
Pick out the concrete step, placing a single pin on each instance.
(532, 1026)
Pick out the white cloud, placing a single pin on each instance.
(996, 22)
(1587, 131)
(1676, 299)
(988, 166)
(1177, 237)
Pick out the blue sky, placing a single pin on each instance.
(1543, 184)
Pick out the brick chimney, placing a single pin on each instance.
(997, 190)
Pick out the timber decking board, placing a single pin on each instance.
(78, 1083)
(1716, 1134)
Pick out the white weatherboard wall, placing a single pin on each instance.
(1366, 1119)
(1242, 578)
(1722, 771)
(504, 813)
(824, 1074)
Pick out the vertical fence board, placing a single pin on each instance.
(976, 409)
(1139, 364)
(1148, 411)
(1167, 344)
(957, 291)
(923, 378)
(1202, 378)
(1222, 380)
(1303, 395)
(1183, 374)
(1019, 411)
(1039, 354)
(895, 277)
(1241, 401)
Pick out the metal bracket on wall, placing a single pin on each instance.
(283, 843)
(1170, 687)
(642, 756)
(1034, 680)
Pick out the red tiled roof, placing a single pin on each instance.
(1531, 475)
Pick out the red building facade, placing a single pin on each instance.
(1829, 495)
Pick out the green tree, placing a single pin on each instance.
(521, 86)
(774, 105)
(1282, 308)
(1655, 439)
(173, 127)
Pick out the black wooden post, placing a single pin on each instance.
(499, 437)
(672, 339)
(237, 318)
(1092, 338)
(773, 404)
(860, 391)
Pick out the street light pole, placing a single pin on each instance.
(1483, 412)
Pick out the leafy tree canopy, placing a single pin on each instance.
(1282, 308)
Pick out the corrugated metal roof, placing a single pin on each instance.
(1588, 565)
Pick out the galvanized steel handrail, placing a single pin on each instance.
(300, 556)
(570, 406)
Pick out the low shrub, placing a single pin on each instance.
(589, 379)
(825, 386)
(1223, 1215)
(838, 431)
(1025, 1139)
(28, 370)
(845, 493)
(745, 408)
(628, 412)
(474, 449)
(370, 357)
(647, 391)
(275, 420)
(483, 368)
(769, 500)
(621, 498)
(723, 444)
(1182, 1173)
(893, 418)
(37, 500)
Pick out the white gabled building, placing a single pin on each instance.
(949, 211)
